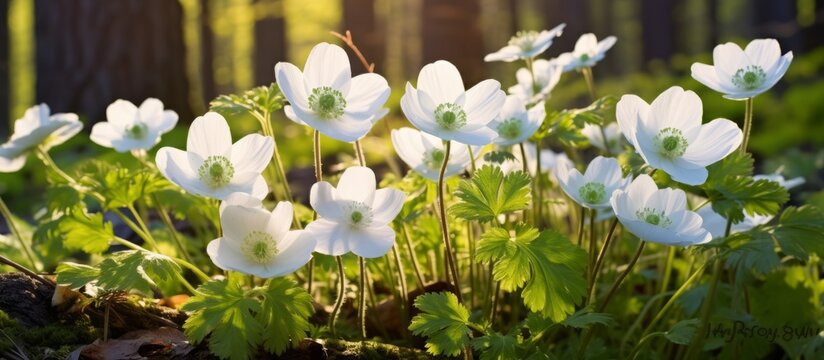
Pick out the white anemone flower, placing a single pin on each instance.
(668, 134)
(440, 106)
(425, 153)
(658, 215)
(595, 186)
(212, 166)
(129, 127)
(327, 98)
(258, 242)
(354, 216)
(588, 51)
(549, 160)
(526, 45)
(530, 90)
(742, 74)
(783, 182)
(596, 137)
(515, 124)
(37, 128)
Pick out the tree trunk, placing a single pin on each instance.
(270, 44)
(451, 31)
(207, 73)
(5, 101)
(576, 16)
(90, 53)
(359, 18)
(658, 29)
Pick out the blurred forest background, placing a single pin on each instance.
(80, 55)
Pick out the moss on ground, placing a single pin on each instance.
(54, 341)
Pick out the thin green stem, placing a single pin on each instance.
(640, 346)
(362, 296)
(681, 290)
(472, 164)
(164, 216)
(593, 243)
(451, 261)
(341, 294)
(587, 72)
(401, 275)
(539, 201)
(748, 111)
(600, 260)
(4, 210)
(143, 226)
(523, 158)
(698, 341)
(495, 296)
(316, 156)
(416, 266)
(581, 220)
(665, 279)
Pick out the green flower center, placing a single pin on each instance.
(653, 217)
(359, 213)
(137, 131)
(593, 192)
(671, 143)
(450, 116)
(584, 57)
(524, 40)
(433, 159)
(327, 102)
(510, 129)
(749, 78)
(259, 247)
(216, 171)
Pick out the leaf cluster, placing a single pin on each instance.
(490, 193)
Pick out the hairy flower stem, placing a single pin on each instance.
(593, 243)
(149, 238)
(4, 210)
(748, 110)
(401, 278)
(416, 266)
(600, 260)
(582, 218)
(587, 72)
(362, 296)
(472, 164)
(341, 294)
(316, 156)
(445, 225)
(610, 294)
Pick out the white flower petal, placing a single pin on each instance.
(121, 113)
(103, 133)
(367, 95)
(331, 238)
(373, 242)
(11, 160)
(387, 205)
(441, 81)
(686, 176)
(291, 83)
(479, 137)
(715, 141)
(174, 165)
(357, 184)
(240, 199)
(347, 128)
(238, 221)
(293, 256)
(323, 199)
(707, 75)
(678, 109)
(763, 53)
(484, 102)
(209, 135)
(727, 59)
(252, 153)
(280, 220)
(328, 65)
(629, 111)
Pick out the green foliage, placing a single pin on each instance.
(261, 100)
(121, 187)
(495, 346)
(547, 263)
(285, 312)
(499, 156)
(751, 251)
(683, 331)
(443, 321)
(734, 195)
(136, 269)
(800, 232)
(566, 125)
(584, 318)
(76, 275)
(734, 165)
(490, 193)
(82, 231)
(238, 322)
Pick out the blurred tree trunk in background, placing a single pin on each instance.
(5, 57)
(658, 29)
(451, 31)
(89, 53)
(270, 41)
(359, 18)
(207, 74)
(576, 16)
(778, 19)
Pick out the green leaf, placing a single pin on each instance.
(87, 232)
(62, 198)
(751, 251)
(734, 165)
(551, 268)
(136, 269)
(120, 186)
(734, 195)
(222, 309)
(566, 125)
(75, 275)
(285, 314)
(584, 318)
(443, 321)
(490, 193)
(683, 331)
(262, 99)
(499, 157)
(496, 346)
(800, 232)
